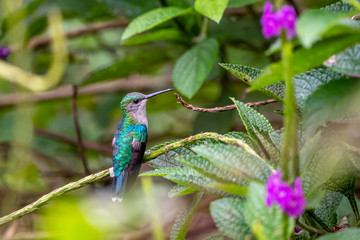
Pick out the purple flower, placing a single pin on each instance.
(290, 200)
(273, 22)
(4, 53)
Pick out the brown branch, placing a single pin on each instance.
(134, 82)
(78, 131)
(88, 29)
(88, 145)
(221, 109)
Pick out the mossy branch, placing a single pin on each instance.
(100, 175)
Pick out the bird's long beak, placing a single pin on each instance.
(159, 92)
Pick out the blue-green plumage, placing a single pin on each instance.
(129, 142)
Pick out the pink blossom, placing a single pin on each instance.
(273, 22)
(290, 200)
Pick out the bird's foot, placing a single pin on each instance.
(114, 199)
(112, 174)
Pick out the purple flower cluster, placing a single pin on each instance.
(273, 22)
(4, 53)
(290, 200)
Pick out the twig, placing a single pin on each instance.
(127, 84)
(221, 109)
(100, 175)
(310, 228)
(78, 131)
(91, 28)
(88, 145)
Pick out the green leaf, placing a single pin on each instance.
(241, 3)
(230, 188)
(166, 170)
(314, 25)
(213, 9)
(162, 34)
(309, 82)
(184, 218)
(193, 67)
(228, 214)
(265, 222)
(217, 237)
(209, 169)
(248, 76)
(142, 62)
(350, 234)
(347, 62)
(36, 27)
(305, 59)
(247, 139)
(194, 179)
(252, 120)
(152, 19)
(330, 102)
(18, 15)
(179, 190)
(340, 7)
(328, 205)
(237, 161)
(258, 128)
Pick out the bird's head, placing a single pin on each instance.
(134, 105)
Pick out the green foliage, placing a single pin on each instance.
(315, 25)
(193, 67)
(351, 234)
(229, 216)
(152, 19)
(212, 9)
(347, 62)
(183, 220)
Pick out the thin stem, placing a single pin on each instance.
(285, 225)
(78, 131)
(289, 151)
(314, 217)
(310, 228)
(221, 109)
(203, 31)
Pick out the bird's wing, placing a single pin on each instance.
(138, 149)
(116, 134)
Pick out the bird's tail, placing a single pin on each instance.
(118, 186)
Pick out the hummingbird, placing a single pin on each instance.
(129, 142)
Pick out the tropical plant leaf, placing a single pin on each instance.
(330, 102)
(328, 206)
(309, 82)
(339, 7)
(350, 234)
(152, 19)
(179, 190)
(247, 139)
(193, 67)
(235, 160)
(347, 62)
(213, 9)
(196, 181)
(228, 214)
(184, 218)
(167, 170)
(241, 3)
(248, 76)
(230, 188)
(210, 170)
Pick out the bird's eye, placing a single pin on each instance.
(136, 101)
